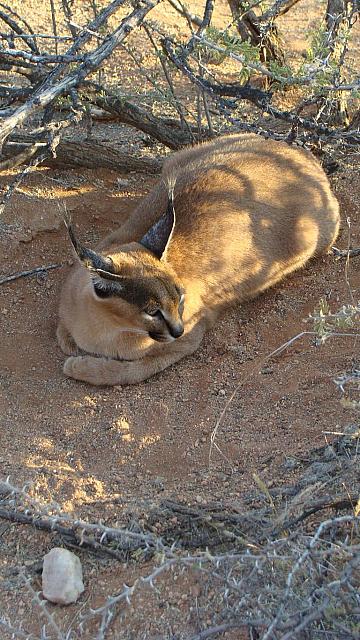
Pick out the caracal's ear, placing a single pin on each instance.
(88, 258)
(158, 238)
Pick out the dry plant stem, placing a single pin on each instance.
(152, 82)
(202, 561)
(30, 272)
(69, 536)
(345, 501)
(290, 81)
(19, 18)
(66, 6)
(176, 102)
(244, 92)
(206, 106)
(45, 58)
(15, 93)
(53, 520)
(54, 26)
(205, 23)
(41, 36)
(241, 572)
(260, 98)
(291, 576)
(86, 33)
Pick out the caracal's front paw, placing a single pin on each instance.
(81, 368)
(66, 342)
(102, 371)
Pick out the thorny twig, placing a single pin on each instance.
(30, 272)
(267, 549)
(42, 607)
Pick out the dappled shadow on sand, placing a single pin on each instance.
(101, 451)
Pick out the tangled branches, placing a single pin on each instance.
(278, 567)
(57, 83)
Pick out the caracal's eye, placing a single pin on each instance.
(154, 313)
(182, 298)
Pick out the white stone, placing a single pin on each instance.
(62, 576)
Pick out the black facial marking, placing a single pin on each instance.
(144, 293)
(103, 292)
(159, 337)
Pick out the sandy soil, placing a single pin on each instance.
(109, 453)
(106, 453)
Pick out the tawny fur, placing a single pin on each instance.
(249, 211)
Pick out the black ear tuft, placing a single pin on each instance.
(90, 259)
(102, 291)
(157, 239)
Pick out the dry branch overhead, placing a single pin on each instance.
(251, 29)
(243, 92)
(48, 92)
(168, 132)
(53, 76)
(205, 23)
(12, 19)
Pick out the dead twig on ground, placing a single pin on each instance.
(29, 272)
(345, 253)
(311, 568)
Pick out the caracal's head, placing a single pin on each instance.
(135, 284)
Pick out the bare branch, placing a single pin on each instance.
(208, 11)
(24, 274)
(15, 27)
(48, 92)
(46, 58)
(166, 131)
(181, 8)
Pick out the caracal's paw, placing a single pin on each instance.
(66, 342)
(100, 371)
(82, 368)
